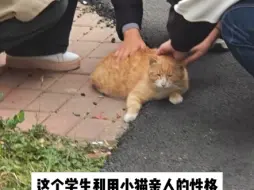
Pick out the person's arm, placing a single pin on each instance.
(128, 15)
(194, 20)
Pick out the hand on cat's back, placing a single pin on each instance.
(132, 43)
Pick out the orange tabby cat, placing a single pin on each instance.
(140, 78)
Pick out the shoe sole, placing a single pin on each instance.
(19, 63)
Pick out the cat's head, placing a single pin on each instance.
(165, 72)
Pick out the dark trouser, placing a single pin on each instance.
(238, 32)
(46, 34)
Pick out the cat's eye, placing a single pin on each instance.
(158, 75)
(169, 75)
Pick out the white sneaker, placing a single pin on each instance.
(57, 62)
(219, 46)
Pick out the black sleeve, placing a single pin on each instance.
(127, 11)
(185, 35)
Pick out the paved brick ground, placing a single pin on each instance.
(65, 102)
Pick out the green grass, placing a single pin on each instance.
(38, 151)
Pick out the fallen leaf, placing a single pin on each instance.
(113, 40)
(99, 117)
(118, 116)
(76, 114)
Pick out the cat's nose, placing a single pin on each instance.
(163, 85)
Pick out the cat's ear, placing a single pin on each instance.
(152, 61)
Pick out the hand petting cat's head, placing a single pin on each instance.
(165, 72)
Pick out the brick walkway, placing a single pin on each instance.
(65, 102)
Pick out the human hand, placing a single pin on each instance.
(198, 51)
(132, 42)
(167, 49)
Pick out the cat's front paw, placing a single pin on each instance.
(129, 117)
(176, 99)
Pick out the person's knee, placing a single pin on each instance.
(227, 23)
(235, 27)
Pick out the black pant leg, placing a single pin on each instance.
(46, 34)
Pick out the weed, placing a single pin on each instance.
(38, 151)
